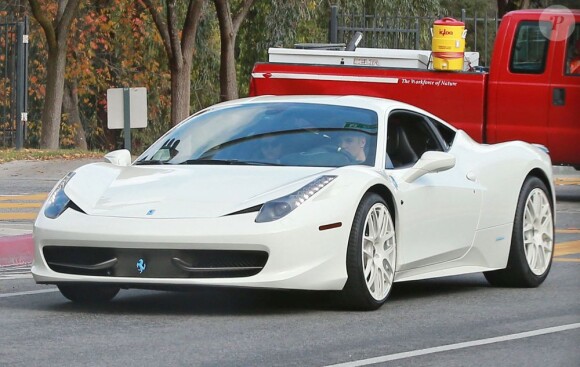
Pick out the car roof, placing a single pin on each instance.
(379, 104)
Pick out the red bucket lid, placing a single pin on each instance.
(449, 21)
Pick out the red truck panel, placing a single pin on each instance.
(564, 118)
(455, 97)
(524, 106)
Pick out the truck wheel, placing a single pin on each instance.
(88, 293)
(371, 255)
(532, 244)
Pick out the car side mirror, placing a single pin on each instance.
(120, 157)
(431, 161)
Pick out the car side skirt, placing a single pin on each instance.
(489, 251)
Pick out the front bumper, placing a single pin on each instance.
(299, 254)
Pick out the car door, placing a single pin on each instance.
(564, 121)
(437, 213)
(519, 107)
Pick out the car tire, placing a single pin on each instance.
(371, 255)
(88, 293)
(532, 246)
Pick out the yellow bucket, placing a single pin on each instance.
(448, 44)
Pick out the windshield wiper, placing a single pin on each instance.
(150, 162)
(233, 162)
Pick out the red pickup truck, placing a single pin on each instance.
(531, 91)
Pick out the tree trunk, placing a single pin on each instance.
(228, 78)
(56, 32)
(51, 111)
(180, 92)
(229, 25)
(70, 105)
(180, 48)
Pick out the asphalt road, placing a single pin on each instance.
(452, 321)
(213, 327)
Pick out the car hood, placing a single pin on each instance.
(103, 189)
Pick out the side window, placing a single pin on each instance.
(529, 51)
(408, 137)
(573, 51)
(446, 132)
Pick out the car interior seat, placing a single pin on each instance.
(399, 149)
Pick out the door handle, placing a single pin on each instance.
(559, 96)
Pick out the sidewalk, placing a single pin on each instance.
(565, 172)
(15, 228)
(16, 243)
(28, 177)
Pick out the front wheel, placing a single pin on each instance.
(532, 244)
(82, 293)
(371, 255)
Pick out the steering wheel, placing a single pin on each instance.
(329, 148)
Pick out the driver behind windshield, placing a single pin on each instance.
(354, 143)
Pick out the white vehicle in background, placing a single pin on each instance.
(268, 192)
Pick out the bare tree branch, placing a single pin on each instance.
(59, 11)
(189, 33)
(45, 23)
(174, 33)
(161, 26)
(180, 47)
(229, 26)
(224, 17)
(239, 18)
(66, 19)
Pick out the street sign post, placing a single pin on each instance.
(126, 109)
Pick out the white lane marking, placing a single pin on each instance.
(16, 294)
(444, 348)
(15, 272)
(15, 276)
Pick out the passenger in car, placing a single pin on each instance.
(271, 149)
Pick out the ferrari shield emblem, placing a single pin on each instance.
(141, 265)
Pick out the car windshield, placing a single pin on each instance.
(287, 134)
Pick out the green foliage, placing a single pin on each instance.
(453, 7)
(389, 14)
(276, 23)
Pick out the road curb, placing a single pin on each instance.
(16, 250)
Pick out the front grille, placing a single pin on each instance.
(155, 263)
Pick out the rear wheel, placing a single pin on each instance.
(532, 244)
(88, 293)
(371, 255)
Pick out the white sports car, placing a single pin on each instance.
(300, 192)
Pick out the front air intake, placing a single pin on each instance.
(154, 263)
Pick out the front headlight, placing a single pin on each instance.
(279, 208)
(57, 201)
